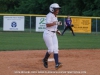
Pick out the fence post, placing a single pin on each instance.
(64, 23)
(30, 23)
(96, 26)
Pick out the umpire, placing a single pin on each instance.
(68, 23)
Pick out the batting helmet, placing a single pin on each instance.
(53, 6)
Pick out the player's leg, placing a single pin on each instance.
(56, 55)
(55, 43)
(48, 41)
(45, 60)
(64, 30)
(71, 30)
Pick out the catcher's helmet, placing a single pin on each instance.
(53, 6)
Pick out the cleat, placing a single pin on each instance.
(45, 63)
(59, 65)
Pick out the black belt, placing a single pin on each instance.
(52, 31)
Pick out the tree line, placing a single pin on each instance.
(68, 7)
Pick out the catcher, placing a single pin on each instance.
(68, 24)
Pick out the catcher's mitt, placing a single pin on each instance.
(58, 32)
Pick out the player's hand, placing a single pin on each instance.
(58, 32)
(57, 23)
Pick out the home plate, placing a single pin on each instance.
(51, 59)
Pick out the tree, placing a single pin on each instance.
(68, 7)
(8, 5)
(32, 7)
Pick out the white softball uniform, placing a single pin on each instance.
(50, 37)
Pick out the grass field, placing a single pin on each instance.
(34, 41)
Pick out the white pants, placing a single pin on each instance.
(51, 41)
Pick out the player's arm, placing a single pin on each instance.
(48, 20)
(58, 32)
(51, 24)
(54, 23)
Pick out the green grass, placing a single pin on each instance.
(33, 41)
(80, 41)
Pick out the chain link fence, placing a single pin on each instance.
(30, 22)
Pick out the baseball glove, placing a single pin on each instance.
(72, 25)
(58, 32)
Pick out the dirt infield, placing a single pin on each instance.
(75, 62)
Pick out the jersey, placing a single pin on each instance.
(68, 22)
(50, 18)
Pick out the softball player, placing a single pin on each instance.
(68, 23)
(50, 37)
